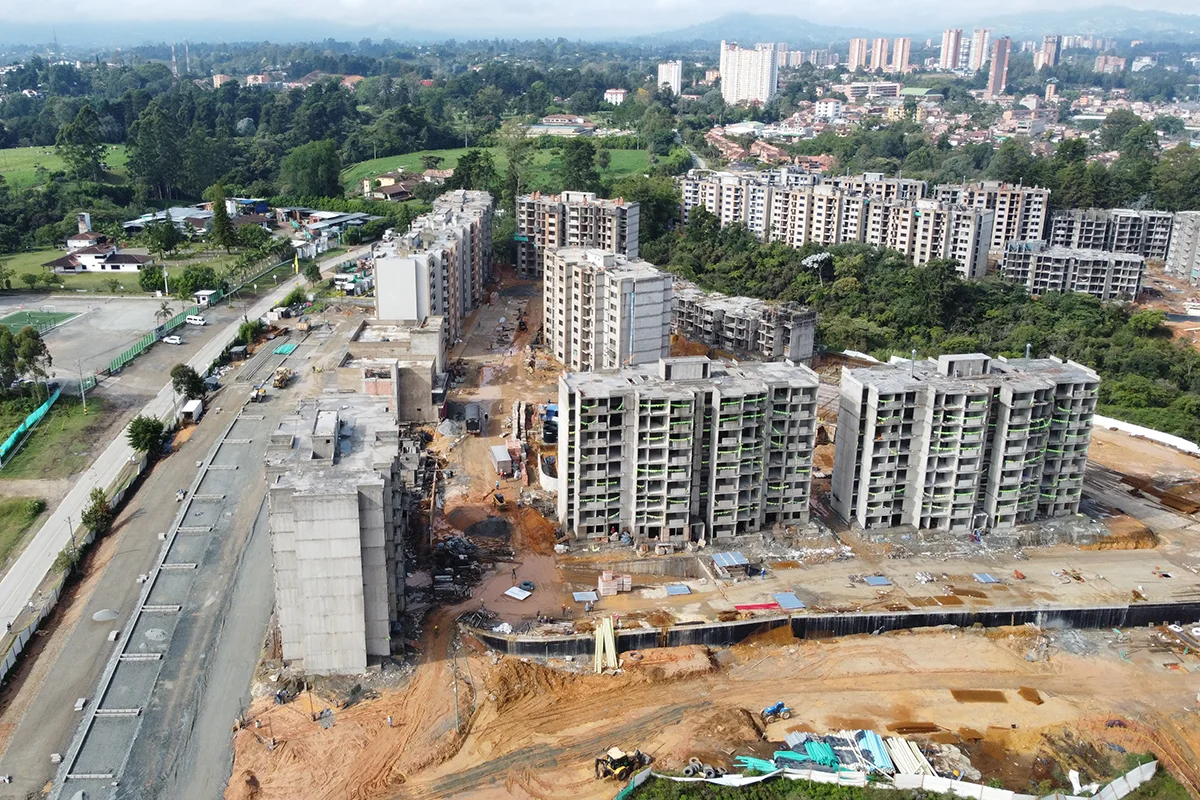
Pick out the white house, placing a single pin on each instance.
(101, 257)
(615, 96)
(828, 108)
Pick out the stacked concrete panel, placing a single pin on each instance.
(962, 443)
(337, 522)
(605, 311)
(744, 326)
(573, 219)
(692, 450)
(440, 266)
(1120, 230)
(1102, 274)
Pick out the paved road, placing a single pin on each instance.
(21, 582)
(73, 668)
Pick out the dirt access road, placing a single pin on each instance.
(536, 729)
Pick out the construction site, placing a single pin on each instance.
(540, 663)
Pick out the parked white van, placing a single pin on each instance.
(196, 319)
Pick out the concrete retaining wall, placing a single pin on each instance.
(669, 566)
(817, 626)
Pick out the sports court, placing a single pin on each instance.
(42, 318)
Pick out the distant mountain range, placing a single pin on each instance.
(750, 28)
(745, 28)
(1116, 21)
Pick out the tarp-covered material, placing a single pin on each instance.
(788, 601)
(517, 593)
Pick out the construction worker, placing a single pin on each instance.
(435, 629)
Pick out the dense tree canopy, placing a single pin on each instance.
(876, 301)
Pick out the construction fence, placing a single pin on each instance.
(13, 443)
(1118, 788)
(143, 344)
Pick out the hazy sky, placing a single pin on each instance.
(632, 16)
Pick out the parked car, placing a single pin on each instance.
(172, 340)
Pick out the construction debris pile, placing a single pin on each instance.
(858, 751)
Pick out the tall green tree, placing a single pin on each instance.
(312, 170)
(79, 145)
(145, 434)
(222, 232)
(187, 382)
(1115, 127)
(1176, 179)
(578, 171)
(98, 516)
(154, 153)
(164, 238)
(476, 169)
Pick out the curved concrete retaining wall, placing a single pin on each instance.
(818, 626)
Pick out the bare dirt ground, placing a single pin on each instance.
(535, 730)
(531, 730)
(1141, 457)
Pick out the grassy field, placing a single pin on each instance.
(31, 262)
(59, 446)
(38, 319)
(545, 163)
(17, 515)
(19, 165)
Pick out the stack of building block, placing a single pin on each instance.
(609, 583)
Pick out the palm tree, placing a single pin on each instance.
(164, 312)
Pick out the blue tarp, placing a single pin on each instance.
(984, 577)
(729, 559)
(788, 602)
(678, 589)
(285, 349)
(877, 580)
(584, 597)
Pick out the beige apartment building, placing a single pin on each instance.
(572, 219)
(605, 311)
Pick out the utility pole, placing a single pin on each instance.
(82, 391)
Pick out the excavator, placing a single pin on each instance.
(616, 763)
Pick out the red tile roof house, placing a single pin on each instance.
(102, 257)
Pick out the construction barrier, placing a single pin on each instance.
(13, 443)
(1118, 788)
(1177, 442)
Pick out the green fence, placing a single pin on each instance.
(13, 443)
(129, 355)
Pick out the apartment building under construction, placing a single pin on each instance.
(1100, 273)
(685, 450)
(1120, 230)
(603, 310)
(572, 219)
(744, 326)
(963, 443)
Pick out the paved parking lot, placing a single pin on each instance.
(103, 327)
